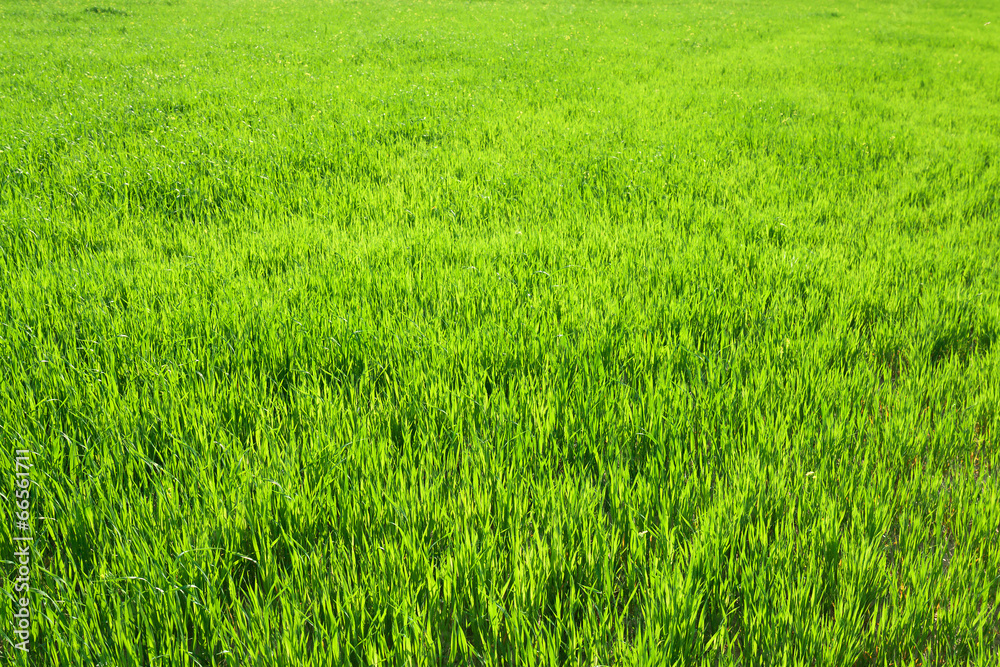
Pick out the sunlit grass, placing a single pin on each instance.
(498, 333)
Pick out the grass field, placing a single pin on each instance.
(501, 333)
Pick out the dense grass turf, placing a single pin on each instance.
(486, 333)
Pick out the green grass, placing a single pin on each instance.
(495, 333)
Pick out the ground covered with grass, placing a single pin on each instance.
(496, 333)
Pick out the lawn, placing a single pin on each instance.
(500, 333)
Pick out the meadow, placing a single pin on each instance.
(501, 333)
